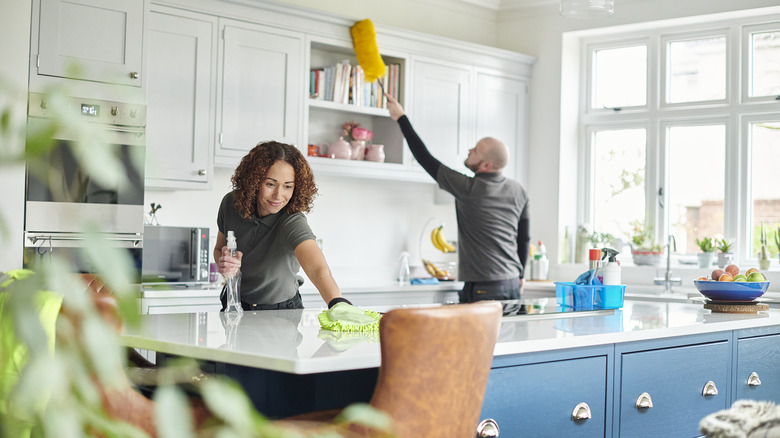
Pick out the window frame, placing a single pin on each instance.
(747, 30)
(735, 112)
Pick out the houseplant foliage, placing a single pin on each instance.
(60, 358)
(644, 249)
(707, 255)
(725, 257)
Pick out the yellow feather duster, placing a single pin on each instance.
(364, 40)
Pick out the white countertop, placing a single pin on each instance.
(292, 341)
(214, 289)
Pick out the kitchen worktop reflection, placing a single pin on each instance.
(292, 340)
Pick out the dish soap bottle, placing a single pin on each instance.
(233, 280)
(404, 276)
(611, 270)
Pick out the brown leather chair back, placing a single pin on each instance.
(435, 367)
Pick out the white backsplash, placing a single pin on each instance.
(364, 224)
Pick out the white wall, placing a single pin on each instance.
(539, 32)
(364, 224)
(15, 49)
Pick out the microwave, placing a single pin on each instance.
(175, 255)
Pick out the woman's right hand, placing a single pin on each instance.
(227, 264)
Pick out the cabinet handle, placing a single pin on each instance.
(709, 389)
(487, 428)
(581, 412)
(644, 401)
(134, 75)
(202, 172)
(753, 379)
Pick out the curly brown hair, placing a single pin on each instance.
(253, 169)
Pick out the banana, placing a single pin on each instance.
(434, 270)
(443, 246)
(435, 239)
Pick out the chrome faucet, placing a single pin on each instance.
(668, 280)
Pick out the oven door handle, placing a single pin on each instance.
(133, 240)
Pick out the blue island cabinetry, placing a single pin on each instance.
(649, 388)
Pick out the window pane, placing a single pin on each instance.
(765, 68)
(697, 70)
(620, 77)
(696, 184)
(765, 147)
(619, 181)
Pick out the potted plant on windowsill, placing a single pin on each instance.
(725, 256)
(707, 255)
(644, 250)
(763, 254)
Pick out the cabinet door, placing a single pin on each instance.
(260, 90)
(674, 380)
(440, 110)
(501, 113)
(761, 356)
(180, 81)
(94, 40)
(538, 399)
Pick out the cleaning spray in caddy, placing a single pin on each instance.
(611, 270)
(233, 280)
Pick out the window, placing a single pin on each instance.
(619, 179)
(697, 159)
(697, 70)
(676, 137)
(620, 77)
(764, 140)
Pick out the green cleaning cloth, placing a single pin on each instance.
(343, 317)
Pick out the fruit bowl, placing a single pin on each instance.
(731, 290)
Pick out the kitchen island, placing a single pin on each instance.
(547, 369)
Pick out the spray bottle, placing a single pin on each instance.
(233, 280)
(611, 270)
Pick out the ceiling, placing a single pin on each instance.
(501, 5)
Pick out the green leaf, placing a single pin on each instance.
(173, 414)
(363, 413)
(227, 401)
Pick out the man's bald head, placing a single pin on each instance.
(494, 152)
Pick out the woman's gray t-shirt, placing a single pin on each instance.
(269, 268)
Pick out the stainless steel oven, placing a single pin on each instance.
(60, 195)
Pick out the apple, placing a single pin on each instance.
(750, 271)
(716, 274)
(726, 277)
(703, 278)
(756, 276)
(733, 270)
(740, 277)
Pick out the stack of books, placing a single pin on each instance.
(345, 83)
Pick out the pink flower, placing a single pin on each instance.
(362, 134)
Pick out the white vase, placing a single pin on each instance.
(706, 259)
(725, 259)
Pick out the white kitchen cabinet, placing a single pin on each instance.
(259, 97)
(180, 92)
(501, 113)
(91, 40)
(441, 109)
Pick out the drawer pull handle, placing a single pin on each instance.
(134, 75)
(581, 412)
(709, 389)
(753, 379)
(644, 401)
(487, 428)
